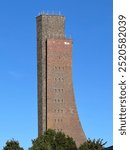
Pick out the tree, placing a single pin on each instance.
(92, 145)
(12, 145)
(52, 140)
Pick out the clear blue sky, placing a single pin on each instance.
(90, 24)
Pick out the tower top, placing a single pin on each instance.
(51, 25)
(50, 14)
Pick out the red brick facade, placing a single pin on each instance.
(56, 107)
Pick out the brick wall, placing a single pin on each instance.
(56, 103)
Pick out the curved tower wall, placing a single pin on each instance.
(56, 103)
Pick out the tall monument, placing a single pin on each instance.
(56, 103)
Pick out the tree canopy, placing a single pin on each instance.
(52, 140)
(12, 145)
(92, 145)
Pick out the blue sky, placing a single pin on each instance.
(90, 24)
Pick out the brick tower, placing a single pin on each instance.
(56, 103)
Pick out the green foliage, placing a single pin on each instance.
(52, 140)
(12, 145)
(93, 145)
